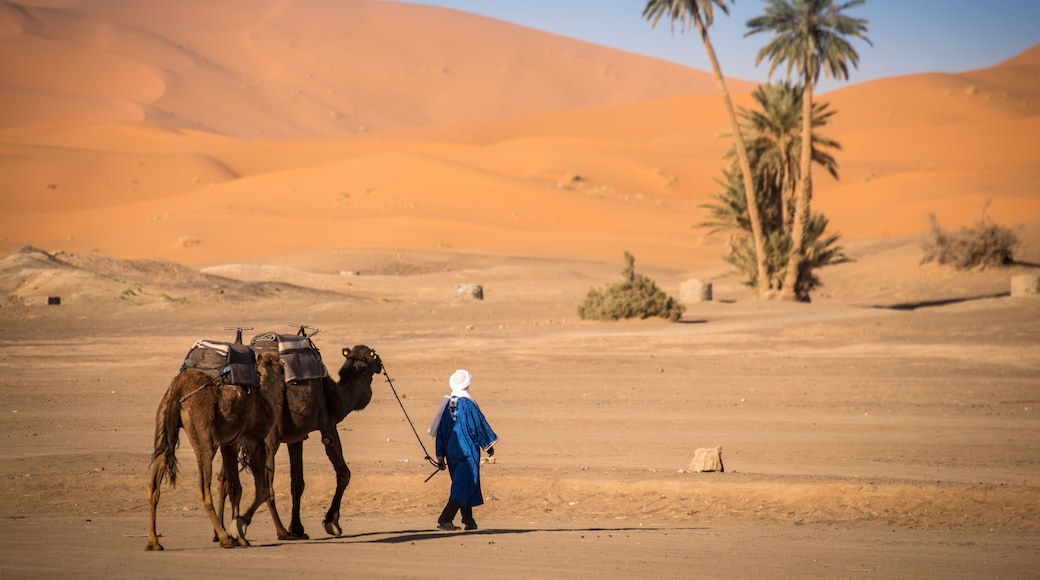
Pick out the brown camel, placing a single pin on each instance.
(213, 415)
(303, 406)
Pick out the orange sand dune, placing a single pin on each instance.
(302, 68)
(533, 175)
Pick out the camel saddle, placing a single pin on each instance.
(233, 363)
(299, 355)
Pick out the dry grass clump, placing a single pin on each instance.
(635, 296)
(569, 181)
(187, 241)
(985, 245)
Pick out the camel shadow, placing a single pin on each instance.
(409, 536)
(419, 535)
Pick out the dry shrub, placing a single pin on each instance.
(635, 296)
(187, 241)
(985, 245)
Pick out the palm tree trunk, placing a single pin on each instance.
(762, 285)
(801, 202)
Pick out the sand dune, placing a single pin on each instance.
(534, 145)
(302, 68)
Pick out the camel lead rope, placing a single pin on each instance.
(412, 425)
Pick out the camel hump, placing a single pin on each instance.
(232, 363)
(301, 358)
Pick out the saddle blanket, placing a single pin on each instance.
(233, 363)
(301, 358)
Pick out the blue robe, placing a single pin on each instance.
(462, 433)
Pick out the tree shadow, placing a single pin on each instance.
(1024, 264)
(691, 321)
(906, 306)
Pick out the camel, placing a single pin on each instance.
(303, 406)
(213, 415)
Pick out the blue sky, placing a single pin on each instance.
(909, 36)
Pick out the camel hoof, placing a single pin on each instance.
(333, 529)
(242, 526)
(297, 534)
(154, 547)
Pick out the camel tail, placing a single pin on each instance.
(167, 437)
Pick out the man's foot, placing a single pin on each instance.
(447, 526)
(471, 525)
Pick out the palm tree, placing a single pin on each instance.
(810, 37)
(728, 213)
(700, 14)
(773, 140)
(775, 136)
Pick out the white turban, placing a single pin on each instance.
(459, 383)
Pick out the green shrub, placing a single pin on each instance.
(635, 296)
(986, 245)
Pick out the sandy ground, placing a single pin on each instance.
(891, 438)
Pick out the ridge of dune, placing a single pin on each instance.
(1028, 57)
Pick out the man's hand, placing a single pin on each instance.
(441, 464)
(491, 451)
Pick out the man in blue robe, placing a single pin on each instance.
(462, 432)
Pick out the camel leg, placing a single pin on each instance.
(334, 450)
(296, 485)
(233, 482)
(227, 485)
(164, 459)
(258, 462)
(205, 452)
(222, 494)
(279, 527)
(271, 450)
(154, 482)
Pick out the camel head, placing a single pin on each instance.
(269, 364)
(355, 376)
(361, 360)
(269, 360)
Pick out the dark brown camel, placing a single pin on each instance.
(213, 415)
(301, 407)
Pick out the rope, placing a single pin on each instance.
(412, 425)
(191, 394)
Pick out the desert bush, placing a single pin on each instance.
(985, 245)
(635, 296)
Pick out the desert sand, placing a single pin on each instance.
(167, 179)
